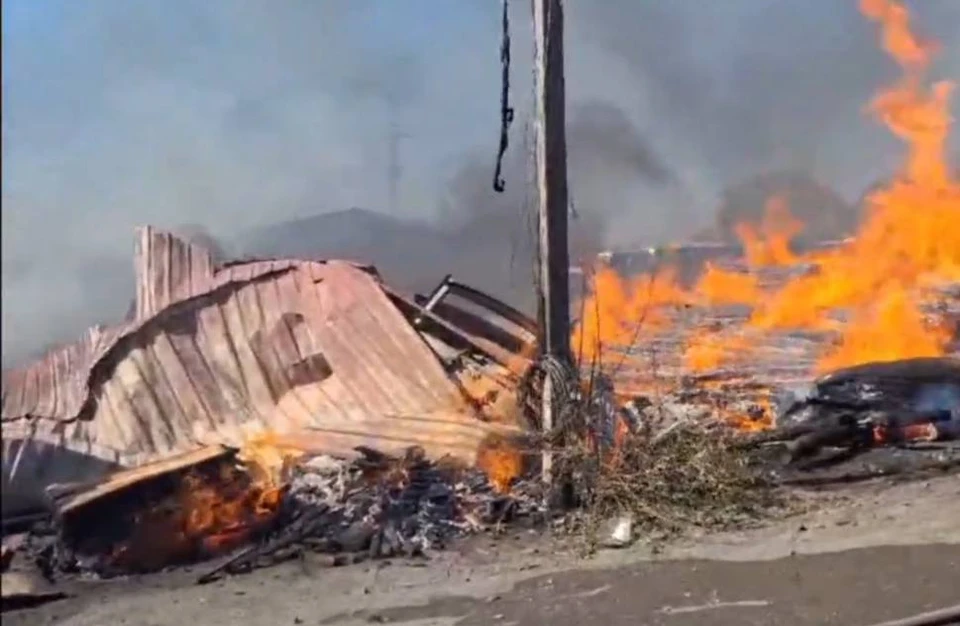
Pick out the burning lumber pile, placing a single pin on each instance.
(208, 507)
(381, 507)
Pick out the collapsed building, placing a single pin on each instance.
(321, 351)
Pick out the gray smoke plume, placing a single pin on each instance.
(241, 115)
(603, 140)
(743, 87)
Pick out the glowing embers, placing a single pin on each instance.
(185, 509)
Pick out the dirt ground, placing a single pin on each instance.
(866, 554)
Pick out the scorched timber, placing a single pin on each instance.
(380, 507)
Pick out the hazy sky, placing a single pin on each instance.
(234, 113)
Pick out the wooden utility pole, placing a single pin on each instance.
(551, 161)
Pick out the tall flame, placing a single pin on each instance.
(770, 245)
(869, 292)
(910, 235)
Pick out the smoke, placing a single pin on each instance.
(730, 90)
(235, 114)
(604, 141)
(493, 234)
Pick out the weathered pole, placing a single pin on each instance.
(551, 162)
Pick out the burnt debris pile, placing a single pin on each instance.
(380, 506)
(870, 420)
(375, 506)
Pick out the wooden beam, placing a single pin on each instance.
(551, 161)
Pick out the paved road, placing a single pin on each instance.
(857, 587)
(845, 589)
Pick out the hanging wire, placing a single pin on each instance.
(506, 111)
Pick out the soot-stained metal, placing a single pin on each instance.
(216, 355)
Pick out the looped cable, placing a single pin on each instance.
(506, 111)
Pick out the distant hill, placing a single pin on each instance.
(411, 255)
(405, 251)
(825, 214)
(339, 234)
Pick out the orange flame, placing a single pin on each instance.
(222, 514)
(501, 461)
(707, 350)
(209, 513)
(911, 232)
(718, 286)
(770, 245)
(869, 293)
(617, 310)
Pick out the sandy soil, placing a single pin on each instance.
(873, 552)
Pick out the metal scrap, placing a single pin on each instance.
(216, 354)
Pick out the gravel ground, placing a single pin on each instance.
(872, 553)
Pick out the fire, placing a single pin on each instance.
(872, 334)
(770, 245)
(268, 456)
(866, 296)
(617, 310)
(221, 514)
(501, 461)
(708, 350)
(212, 510)
(910, 235)
(718, 287)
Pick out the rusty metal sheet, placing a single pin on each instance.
(215, 355)
(118, 481)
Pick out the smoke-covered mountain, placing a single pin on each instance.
(823, 212)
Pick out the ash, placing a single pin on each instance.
(378, 507)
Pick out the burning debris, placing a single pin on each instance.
(273, 363)
(382, 507)
(194, 511)
(320, 351)
(253, 411)
(861, 408)
(207, 506)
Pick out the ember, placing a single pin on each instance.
(209, 514)
(502, 463)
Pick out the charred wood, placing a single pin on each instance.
(378, 507)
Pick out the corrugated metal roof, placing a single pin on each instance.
(216, 354)
(121, 480)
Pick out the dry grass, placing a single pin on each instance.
(686, 476)
(680, 470)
